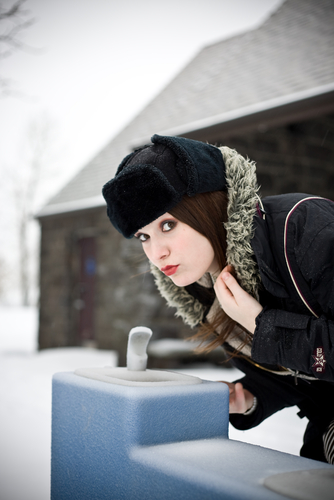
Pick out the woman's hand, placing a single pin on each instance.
(240, 399)
(237, 303)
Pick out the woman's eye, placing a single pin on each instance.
(142, 237)
(167, 226)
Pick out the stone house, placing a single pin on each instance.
(269, 93)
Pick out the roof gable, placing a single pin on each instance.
(290, 54)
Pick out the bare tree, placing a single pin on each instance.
(14, 21)
(3, 276)
(27, 179)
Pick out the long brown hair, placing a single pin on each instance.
(207, 213)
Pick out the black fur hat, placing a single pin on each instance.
(153, 179)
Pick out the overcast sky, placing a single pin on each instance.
(99, 63)
(103, 60)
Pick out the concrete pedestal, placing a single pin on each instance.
(118, 442)
(96, 425)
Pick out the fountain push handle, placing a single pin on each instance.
(136, 357)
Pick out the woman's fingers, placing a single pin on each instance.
(222, 289)
(236, 302)
(226, 288)
(240, 399)
(230, 385)
(231, 284)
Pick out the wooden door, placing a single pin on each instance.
(87, 249)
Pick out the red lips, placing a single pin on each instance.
(169, 270)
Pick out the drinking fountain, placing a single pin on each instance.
(129, 433)
(101, 415)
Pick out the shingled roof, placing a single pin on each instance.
(284, 66)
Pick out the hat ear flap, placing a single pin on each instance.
(137, 196)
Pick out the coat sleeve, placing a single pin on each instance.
(304, 342)
(269, 402)
(273, 393)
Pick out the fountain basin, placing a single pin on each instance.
(144, 378)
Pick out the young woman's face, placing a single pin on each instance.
(177, 250)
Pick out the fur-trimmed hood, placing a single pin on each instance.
(242, 199)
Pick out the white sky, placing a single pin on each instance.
(101, 62)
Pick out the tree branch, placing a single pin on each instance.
(13, 22)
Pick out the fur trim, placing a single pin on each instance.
(187, 307)
(242, 199)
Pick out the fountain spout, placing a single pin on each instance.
(136, 358)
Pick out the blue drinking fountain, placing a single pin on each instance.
(133, 433)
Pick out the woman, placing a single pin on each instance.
(256, 276)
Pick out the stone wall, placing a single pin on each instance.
(297, 157)
(294, 158)
(125, 294)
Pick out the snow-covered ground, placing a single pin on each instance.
(25, 408)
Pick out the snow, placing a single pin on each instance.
(25, 410)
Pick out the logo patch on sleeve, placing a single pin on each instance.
(320, 361)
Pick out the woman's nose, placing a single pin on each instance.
(159, 252)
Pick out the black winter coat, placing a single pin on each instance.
(292, 237)
(294, 249)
